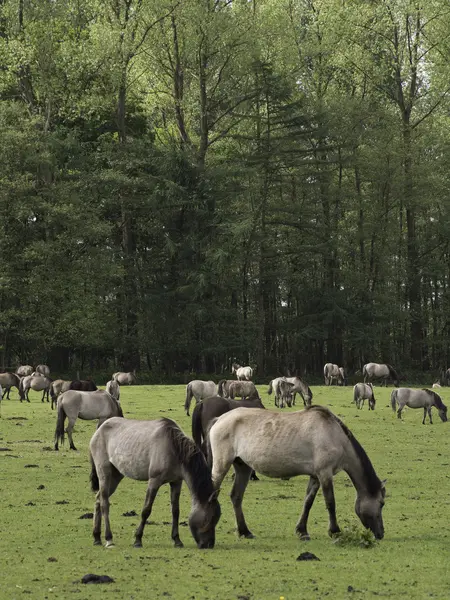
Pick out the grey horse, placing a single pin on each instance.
(199, 390)
(332, 373)
(24, 370)
(243, 389)
(7, 381)
(43, 370)
(38, 383)
(157, 452)
(58, 387)
(361, 392)
(380, 371)
(113, 388)
(415, 398)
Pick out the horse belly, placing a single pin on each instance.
(277, 461)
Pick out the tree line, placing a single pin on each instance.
(185, 184)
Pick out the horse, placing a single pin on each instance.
(75, 404)
(244, 389)
(113, 389)
(302, 388)
(242, 373)
(414, 398)
(436, 384)
(7, 381)
(199, 390)
(58, 387)
(24, 370)
(273, 387)
(343, 376)
(43, 369)
(332, 372)
(38, 383)
(223, 387)
(310, 442)
(125, 378)
(447, 376)
(158, 452)
(83, 385)
(377, 371)
(361, 392)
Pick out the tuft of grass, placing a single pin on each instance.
(354, 535)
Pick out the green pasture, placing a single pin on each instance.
(46, 548)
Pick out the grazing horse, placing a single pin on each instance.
(377, 371)
(211, 408)
(302, 388)
(158, 452)
(414, 398)
(113, 389)
(125, 378)
(38, 383)
(43, 370)
(284, 393)
(74, 405)
(244, 389)
(83, 385)
(24, 370)
(223, 387)
(361, 392)
(343, 376)
(332, 372)
(58, 387)
(7, 381)
(273, 387)
(199, 390)
(310, 442)
(242, 373)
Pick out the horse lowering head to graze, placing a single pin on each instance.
(24, 370)
(7, 381)
(361, 392)
(158, 452)
(75, 404)
(38, 383)
(199, 390)
(83, 385)
(113, 388)
(123, 378)
(58, 387)
(310, 442)
(343, 376)
(301, 388)
(273, 387)
(43, 369)
(414, 398)
(380, 371)
(284, 392)
(242, 373)
(332, 373)
(242, 389)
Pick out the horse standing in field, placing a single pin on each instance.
(284, 393)
(7, 381)
(301, 388)
(113, 389)
(414, 398)
(38, 383)
(83, 385)
(310, 442)
(274, 387)
(58, 387)
(332, 373)
(379, 371)
(125, 378)
(43, 370)
(244, 389)
(361, 392)
(24, 370)
(88, 406)
(199, 390)
(242, 373)
(223, 387)
(436, 384)
(158, 452)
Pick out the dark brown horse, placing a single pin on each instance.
(83, 385)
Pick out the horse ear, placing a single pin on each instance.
(214, 496)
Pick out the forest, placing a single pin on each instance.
(185, 183)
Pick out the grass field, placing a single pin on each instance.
(46, 548)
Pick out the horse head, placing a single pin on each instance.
(369, 508)
(203, 520)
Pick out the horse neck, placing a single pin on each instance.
(360, 470)
(197, 476)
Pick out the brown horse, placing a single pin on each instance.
(7, 381)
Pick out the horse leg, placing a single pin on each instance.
(109, 479)
(175, 490)
(311, 493)
(43, 396)
(399, 411)
(152, 490)
(429, 415)
(242, 472)
(328, 493)
(69, 429)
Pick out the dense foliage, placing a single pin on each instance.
(185, 183)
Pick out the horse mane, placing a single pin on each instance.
(192, 459)
(392, 372)
(372, 480)
(437, 399)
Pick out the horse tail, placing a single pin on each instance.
(269, 391)
(197, 430)
(355, 395)
(394, 399)
(189, 395)
(95, 484)
(220, 387)
(20, 388)
(59, 431)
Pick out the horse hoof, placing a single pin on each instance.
(137, 545)
(97, 543)
(178, 544)
(248, 536)
(109, 544)
(305, 537)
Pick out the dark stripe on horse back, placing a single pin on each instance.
(437, 399)
(191, 457)
(372, 480)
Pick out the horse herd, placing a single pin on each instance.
(230, 433)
